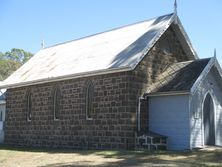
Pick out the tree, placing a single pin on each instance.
(10, 61)
(1, 55)
(7, 67)
(18, 55)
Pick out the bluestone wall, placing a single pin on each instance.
(114, 112)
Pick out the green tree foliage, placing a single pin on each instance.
(7, 67)
(18, 55)
(11, 61)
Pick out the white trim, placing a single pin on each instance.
(138, 115)
(178, 22)
(210, 92)
(190, 121)
(155, 39)
(174, 19)
(2, 102)
(203, 75)
(89, 119)
(217, 65)
(66, 77)
(170, 93)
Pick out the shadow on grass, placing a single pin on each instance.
(144, 159)
(44, 149)
(133, 158)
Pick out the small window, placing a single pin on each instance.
(89, 100)
(1, 115)
(56, 102)
(29, 106)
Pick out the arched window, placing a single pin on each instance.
(56, 102)
(89, 99)
(29, 105)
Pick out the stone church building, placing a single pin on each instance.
(137, 86)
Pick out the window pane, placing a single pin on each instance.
(29, 106)
(89, 100)
(56, 100)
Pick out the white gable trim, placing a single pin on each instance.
(155, 39)
(174, 19)
(187, 40)
(217, 65)
(211, 63)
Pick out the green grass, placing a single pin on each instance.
(41, 157)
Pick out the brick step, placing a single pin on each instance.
(151, 141)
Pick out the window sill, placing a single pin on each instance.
(89, 119)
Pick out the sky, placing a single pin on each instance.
(24, 23)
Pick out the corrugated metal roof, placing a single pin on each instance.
(116, 49)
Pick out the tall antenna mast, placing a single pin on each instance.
(43, 44)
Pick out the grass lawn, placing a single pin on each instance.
(24, 157)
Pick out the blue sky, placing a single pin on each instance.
(24, 23)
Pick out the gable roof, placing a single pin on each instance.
(178, 77)
(212, 63)
(112, 51)
(184, 77)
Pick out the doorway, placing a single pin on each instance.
(208, 121)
